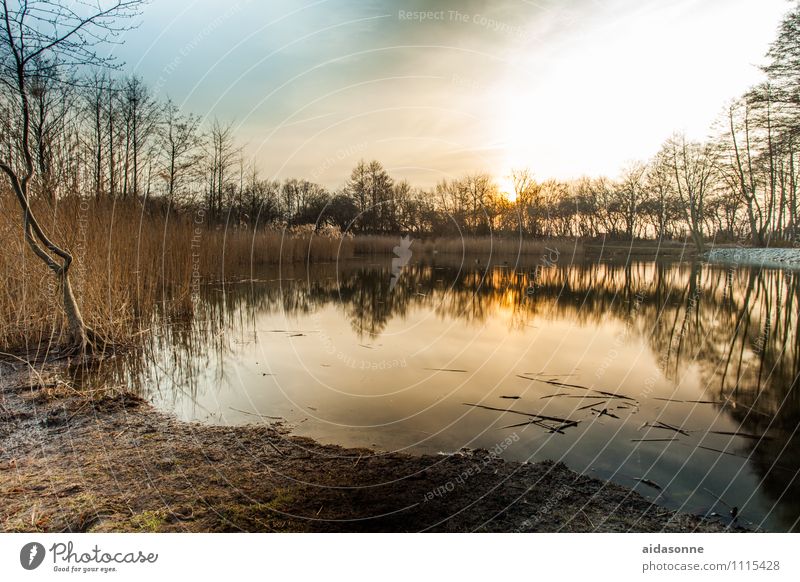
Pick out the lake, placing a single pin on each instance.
(675, 379)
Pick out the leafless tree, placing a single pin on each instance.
(179, 142)
(631, 193)
(526, 199)
(660, 203)
(140, 113)
(95, 96)
(370, 187)
(222, 154)
(693, 169)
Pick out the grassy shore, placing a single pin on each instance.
(104, 460)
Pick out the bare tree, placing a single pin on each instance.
(783, 66)
(223, 155)
(140, 113)
(259, 201)
(743, 169)
(602, 191)
(380, 191)
(179, 141)
(357, 187)
(95, 96)
(660, 194)
(370, 188)
(586, 204)
(61, 36)
(526, 199)
(693, 169)
(50, 107)
(631, 194)
(480, 189)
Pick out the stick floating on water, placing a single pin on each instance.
(577, 386)
(665, 426)
(531, 414)
(650, 483)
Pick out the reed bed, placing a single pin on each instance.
(131, 261)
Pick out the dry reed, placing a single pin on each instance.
(131, 261)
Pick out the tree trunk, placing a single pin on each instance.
(698, 241)
(79, 334)
(755, 234)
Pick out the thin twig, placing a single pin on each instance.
(540, 416)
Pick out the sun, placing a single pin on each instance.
(506, 186)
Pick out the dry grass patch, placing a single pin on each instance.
(132, 261)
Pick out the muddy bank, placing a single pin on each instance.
(106, 461)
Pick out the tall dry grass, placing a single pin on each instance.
(131, 261)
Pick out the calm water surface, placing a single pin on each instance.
(348, 357)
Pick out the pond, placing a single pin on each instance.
(675, 379)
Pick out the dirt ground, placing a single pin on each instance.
(107, 461)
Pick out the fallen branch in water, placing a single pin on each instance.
(559, 428)
(582, 396)
(256, 414)
(604, 412)
(539, 423)
(665, 426)
(744, 435)
(650, 483)
(593, 404)
(713, 450)
(550, 375)
(565, 421)
(578, 386)
(719, 402)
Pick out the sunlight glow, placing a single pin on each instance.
(506, 187)
(612, 88)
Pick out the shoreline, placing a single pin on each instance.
(780, 258)
(106, 461)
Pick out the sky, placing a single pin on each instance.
(437, 90)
